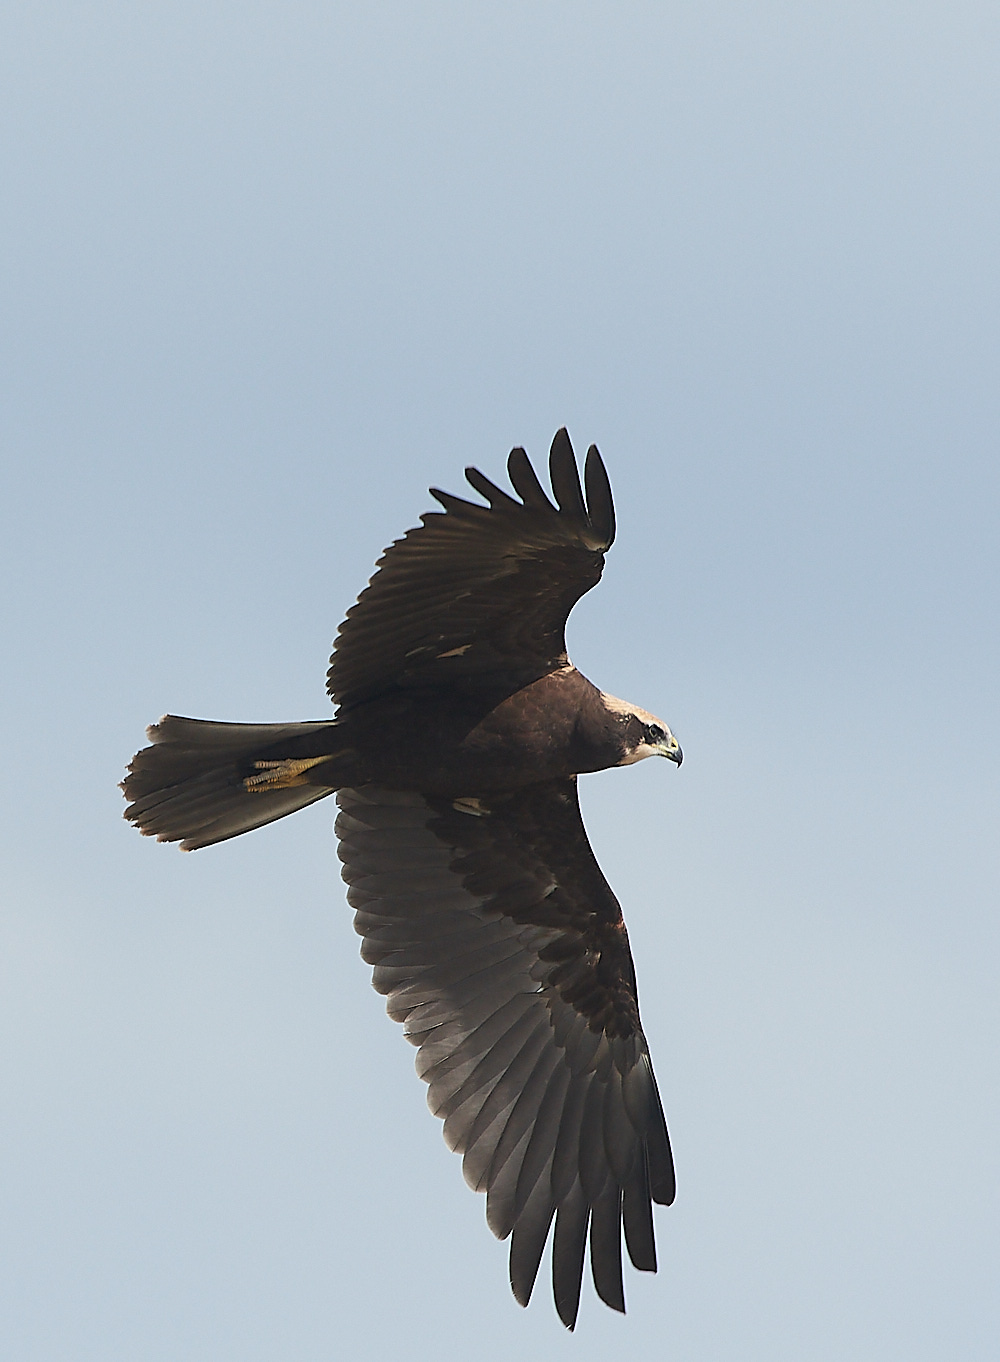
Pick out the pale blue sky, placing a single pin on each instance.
(268, 272)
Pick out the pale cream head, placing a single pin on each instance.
(657, 739)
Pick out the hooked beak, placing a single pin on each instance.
(670, 748)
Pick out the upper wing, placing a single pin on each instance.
(479, 591)
(502, 948)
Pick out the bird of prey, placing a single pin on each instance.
(460, 729)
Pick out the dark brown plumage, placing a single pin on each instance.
(460, 730)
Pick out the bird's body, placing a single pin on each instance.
(461, 728)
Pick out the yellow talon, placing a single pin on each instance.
(279, 775)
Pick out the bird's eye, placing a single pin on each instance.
(655, 733)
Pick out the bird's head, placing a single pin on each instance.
(644, 735)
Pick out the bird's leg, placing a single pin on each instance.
(279, 775)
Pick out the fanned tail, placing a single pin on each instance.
(202, 782)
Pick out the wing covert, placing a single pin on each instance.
(479, 594)
(500, 946)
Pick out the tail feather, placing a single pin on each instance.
(191, 787)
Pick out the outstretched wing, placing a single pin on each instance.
(502, 949)
(480, 594)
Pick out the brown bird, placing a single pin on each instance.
(460, 729)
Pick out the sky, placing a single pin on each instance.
(270, 271)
